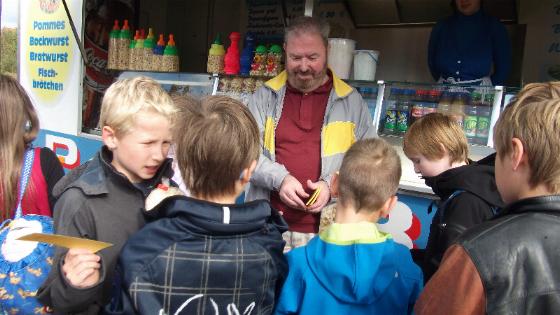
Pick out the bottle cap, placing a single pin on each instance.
(161, 41)
(115, 32)
(150, 34)
(275, 49)
(217, 40)
(170, 49)
(125, 31)
(261, 49)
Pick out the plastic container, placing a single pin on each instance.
(444, 105)
(457, 108)
(157, 56)
(365, 64)
(258, 66)
(133, 56)
(147, 52)
(403, 110)
(216, 54)
(113, 49)
(231, 59)
(123, 45)
(390, 122)
(470, 122)
(274, 61)
(246, 55)
(340, 56)
(483, 125)
(170, 61)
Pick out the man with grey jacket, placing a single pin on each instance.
(308, 118)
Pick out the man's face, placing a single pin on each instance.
(468, 7)
(306, 61)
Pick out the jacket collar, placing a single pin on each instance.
(91, 177)
(341, 88)
(218, 219)
(549, 204)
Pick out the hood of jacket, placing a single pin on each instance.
(205, 217)
(355, 262)
(91, 176)
(475, 178)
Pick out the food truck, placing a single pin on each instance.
(63, 64)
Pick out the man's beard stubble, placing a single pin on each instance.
(307, 85)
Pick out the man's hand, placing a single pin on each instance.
(291, 193)
(322, 199)
(81, 268)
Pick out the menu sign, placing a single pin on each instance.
(50, 62)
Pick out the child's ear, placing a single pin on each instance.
(334, 185)
(388, 206)
(248, 172)
(109, 137)
(518, 155)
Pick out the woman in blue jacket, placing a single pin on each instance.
(464, 47)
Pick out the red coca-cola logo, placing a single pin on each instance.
(97, 69)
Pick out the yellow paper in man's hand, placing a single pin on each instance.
(66, 241)
(313, 197)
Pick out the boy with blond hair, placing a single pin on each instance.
(351, 267)
(102, 198)
(205, 254)
(511, 264)
(438, 149)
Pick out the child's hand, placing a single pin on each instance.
(81, 267)
(322, 199)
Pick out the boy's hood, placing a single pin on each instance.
(207, 217)
(476, 178)
(354, 262)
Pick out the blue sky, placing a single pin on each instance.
(9, 13)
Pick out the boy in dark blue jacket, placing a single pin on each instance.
(205, 254)
(351, 267)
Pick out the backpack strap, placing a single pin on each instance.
(443, 206)
(25, 174)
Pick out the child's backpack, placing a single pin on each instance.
(24, 265)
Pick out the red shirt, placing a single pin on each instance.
(298, 148)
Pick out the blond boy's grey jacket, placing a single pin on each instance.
(346, 120)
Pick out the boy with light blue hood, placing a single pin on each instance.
(351, 267)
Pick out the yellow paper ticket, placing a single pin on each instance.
(66, 241)
(313, 197)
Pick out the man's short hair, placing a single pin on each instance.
(533, 117)
(216, 138)
(427, 135)
(369, 175)
(125, 98)
(306, 25)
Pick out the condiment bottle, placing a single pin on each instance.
(157, 56)
(247, 54)
(274, 61)
(231, 59)
(124, 47)
(259, 61)
(113, 52)
(147, 51)
(216, 54)
(132, 59)
(170, 56)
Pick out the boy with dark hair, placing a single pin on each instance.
(438, 149)
(511, 264)
(205, 253)
(351, 267)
